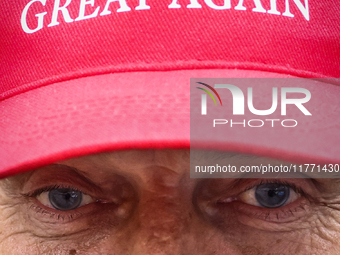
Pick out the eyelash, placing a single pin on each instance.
(281, 182)
(49, 188)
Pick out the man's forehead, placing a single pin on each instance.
(161, 158)
(157, 164)
(124, 158)
(162, 166)
(145, 168)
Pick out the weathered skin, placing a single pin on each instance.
(144, 202)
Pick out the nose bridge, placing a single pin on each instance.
(161, 226)
(162, 216)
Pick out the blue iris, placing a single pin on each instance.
(272, 195)
(65, 199)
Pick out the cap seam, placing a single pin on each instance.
(180, 65)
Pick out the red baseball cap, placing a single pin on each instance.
(86, 76)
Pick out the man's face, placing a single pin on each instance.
(144, 202)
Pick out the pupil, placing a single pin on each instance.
(272, 195)
(65, 199)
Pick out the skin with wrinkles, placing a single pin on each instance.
(144, 202)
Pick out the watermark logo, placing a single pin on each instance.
(204, 97)
(239, 99)
(269, 102)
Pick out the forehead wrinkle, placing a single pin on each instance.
(169, 159)
(140, 165)
(222, 155)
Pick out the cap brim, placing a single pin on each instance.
(141, 110)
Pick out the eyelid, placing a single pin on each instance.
(38, 191)
(55, 175)
(289, 183)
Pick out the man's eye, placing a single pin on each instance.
(64, 199)
(269, 195)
